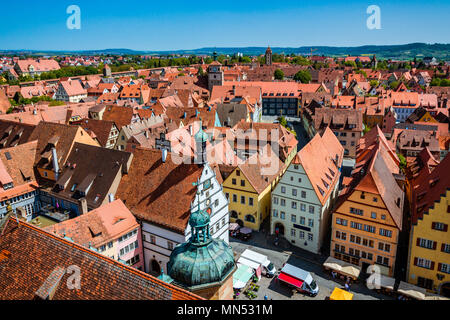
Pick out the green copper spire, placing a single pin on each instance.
(201, 136)
(202, 261)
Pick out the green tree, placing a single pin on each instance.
(278, 74)
(436, 82)
(200, 71)
(374, 83)
(394, 85)
(304, 76)
(402, 160)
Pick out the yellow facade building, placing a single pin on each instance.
(429, 248)
(248, 190)
(368, 218)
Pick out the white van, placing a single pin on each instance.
(267, 267)
(299, 279)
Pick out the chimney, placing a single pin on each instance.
(84, 207)
(55, 163)
(164, 155)
(234, 90)
(111, 197)
(191, 131)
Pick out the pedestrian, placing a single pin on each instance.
(266, 297)
(347, 287)
(333, 274)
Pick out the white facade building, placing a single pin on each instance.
(159, 242)
(303, 199)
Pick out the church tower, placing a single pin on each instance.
(268, 56)
(374, 62)
(201, 138)
(107, 71)
(215, 74)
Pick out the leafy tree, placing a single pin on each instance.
(402, 160)
(436, 82)
(350, 64)
(304, 76)
(374, 83)
(394, 85)
(300, 60)
(282, 121)
(200, 71)
(278, 74)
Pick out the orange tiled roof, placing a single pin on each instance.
(31, 254)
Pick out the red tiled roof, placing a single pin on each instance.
(159, 192)
(32, 255)
(429, 187)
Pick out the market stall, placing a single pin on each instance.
(342, 268)
(234, 229)
(339, 294)
(411, 291)
(382, 283)
(246, 233)
(242, 276)
(252, 264)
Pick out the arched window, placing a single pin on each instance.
(234, 214)
(250, 218)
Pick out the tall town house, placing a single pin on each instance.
(303, 199)
(429, 255)
(368, 218)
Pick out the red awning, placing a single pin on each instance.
(291, 280)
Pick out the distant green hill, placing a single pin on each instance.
(406, 51)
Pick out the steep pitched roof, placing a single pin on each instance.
(101, 129)
(4, 102)
(159, 192)
(121, 116)
(90, 170)
(262, 171)
(372, 174)
(321, 159)
(14, 133)
(98, 226)
(18, 162)
(32, 254)
(231, 113)
(73, 88)
(429, 187)
(60, 136)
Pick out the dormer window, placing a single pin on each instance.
(7, 186)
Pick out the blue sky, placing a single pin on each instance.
(172, 25)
